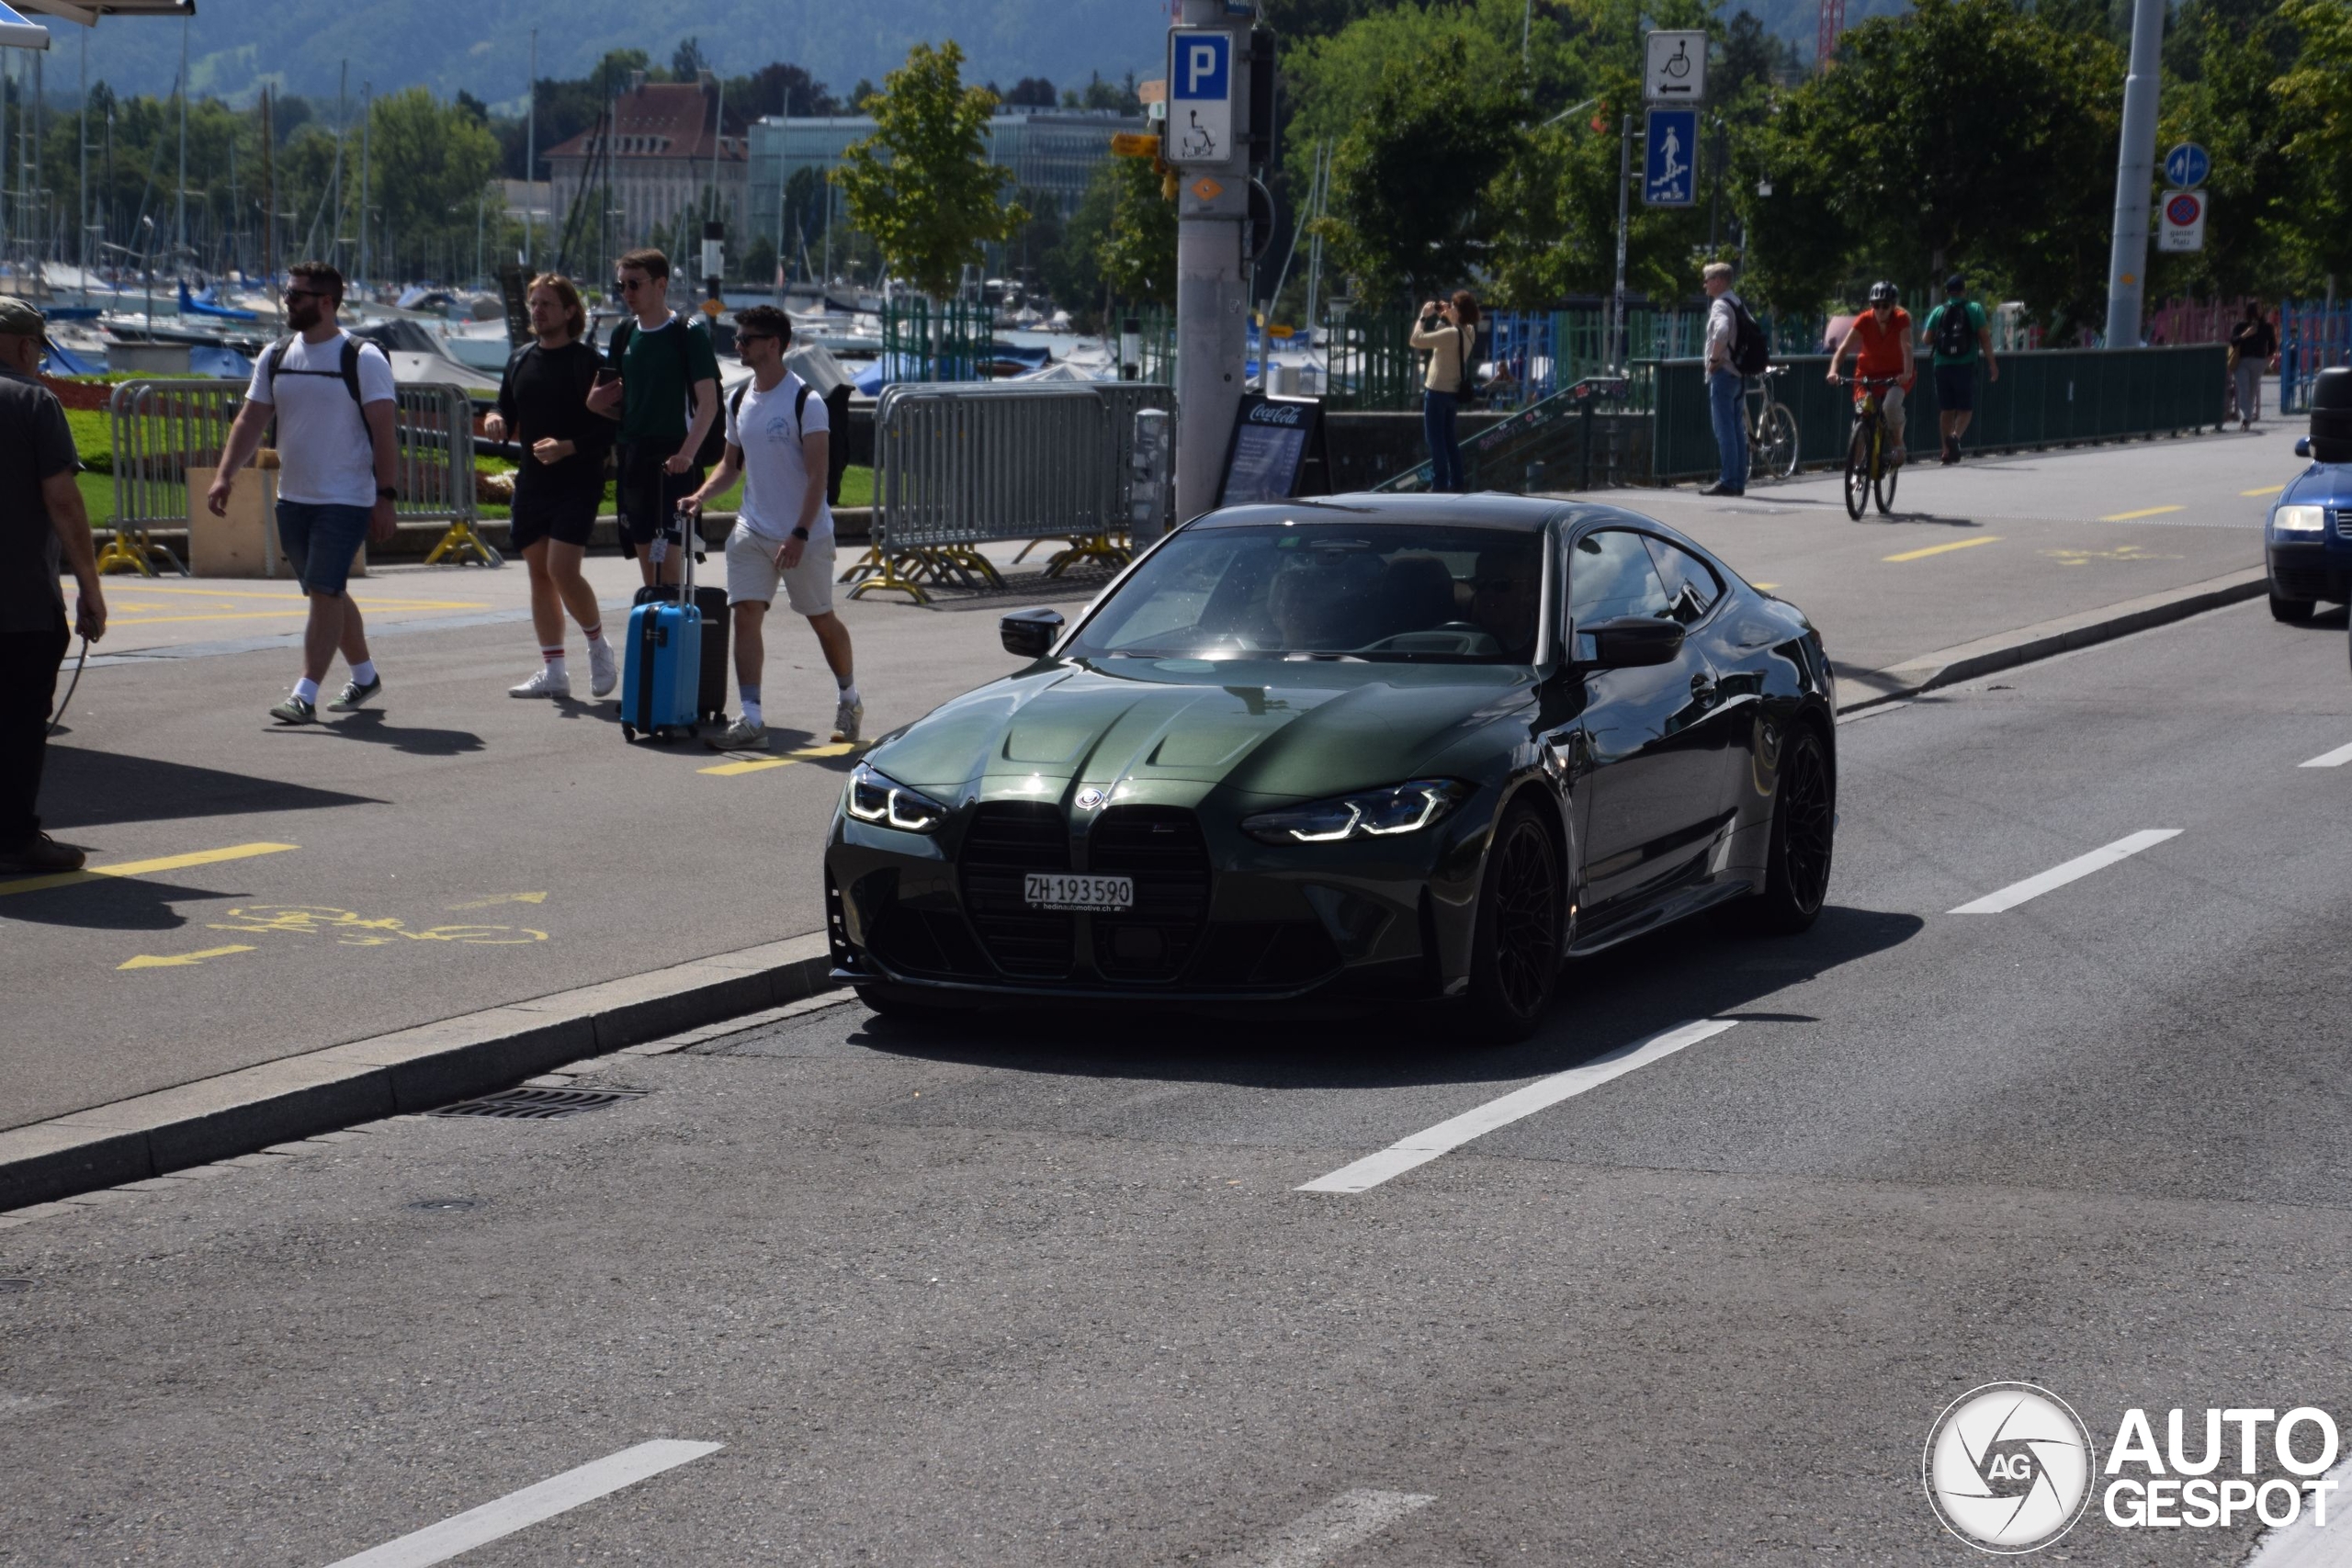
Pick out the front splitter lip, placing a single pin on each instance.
(1052, 992)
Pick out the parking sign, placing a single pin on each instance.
(2183, 221)
(1199, 97)
(1668, 179)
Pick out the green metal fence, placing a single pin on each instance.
(1370, 361)
(924, 341)
(2045, 398)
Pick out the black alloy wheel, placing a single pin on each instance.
(2294, 612)
(1515, 960)
(1858, 470)
(1804, 831)
(1887, 474)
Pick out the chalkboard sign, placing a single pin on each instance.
(1277, 451)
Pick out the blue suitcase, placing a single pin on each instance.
(661, 671)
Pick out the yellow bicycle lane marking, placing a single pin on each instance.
(181, 960)
(1947, 549)
(142, 867)
(806, 754)
(351, 930)
(2266, 489)
(2143, 512)
(147, 614)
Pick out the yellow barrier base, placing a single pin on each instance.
(1107, 548)
(461, 542)
(130, 549)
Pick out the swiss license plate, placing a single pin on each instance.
(1061, 890)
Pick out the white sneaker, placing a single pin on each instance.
(744, 736)
(603, 669)
(847, 716)
(542, 685)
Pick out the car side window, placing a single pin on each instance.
(1611, 575)
(1692, 585)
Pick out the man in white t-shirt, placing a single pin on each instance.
(338, 475)
(777, 434)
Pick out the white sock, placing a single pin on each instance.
(595, 633)
(364, 671)
(751, 715)
(849, 693)
(307, 689)
(555, 665)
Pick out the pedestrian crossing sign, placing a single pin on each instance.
(1668, 179)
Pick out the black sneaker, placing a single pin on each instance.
(1722, 490)
(354, 696)
(294, 710)
(41, 854)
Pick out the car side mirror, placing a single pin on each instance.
(1631, 641)
(2302, 445)
(1030, 634)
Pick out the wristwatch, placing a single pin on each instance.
(801, 534)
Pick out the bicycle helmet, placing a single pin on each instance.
(1882, 293)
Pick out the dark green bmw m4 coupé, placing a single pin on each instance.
(1359, 748)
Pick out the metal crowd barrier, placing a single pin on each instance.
(164, 428)
(959, 465)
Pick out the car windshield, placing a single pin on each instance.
(1387, 591)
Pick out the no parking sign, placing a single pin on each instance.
(2184, 221)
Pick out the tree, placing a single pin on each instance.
(780, 89)
(687, 61)
(1138, 255)
(921, 185)
(2258, 231)
(758, 262)
(1031, 92)
(1409, 181)
(2311, 97)
(431, 164)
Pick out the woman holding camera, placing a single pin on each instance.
(1449, 333)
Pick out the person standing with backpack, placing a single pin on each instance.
(1735, 342)
(666, 398)
(1449, 334)
(1958, 333)
(338, 457)
(778, 439)
(2252, 343)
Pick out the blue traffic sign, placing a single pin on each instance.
(1203, 67)
(1668, 177)
(2187, 165)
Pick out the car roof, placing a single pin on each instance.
(1488, 509)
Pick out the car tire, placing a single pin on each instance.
(1515, 955)
(1803, 842)
(2294, 612)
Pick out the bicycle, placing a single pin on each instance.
(1771, 431)
(1867, 469)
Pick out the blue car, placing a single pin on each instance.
(2308, 544)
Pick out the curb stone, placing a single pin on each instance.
(408, 1070)
(2003, 650)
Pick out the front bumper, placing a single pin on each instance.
(1218, 918)
(2310, 568)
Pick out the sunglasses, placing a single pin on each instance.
(309, 294)
(630, 285)
(754, 337)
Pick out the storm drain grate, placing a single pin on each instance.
(538, 1104)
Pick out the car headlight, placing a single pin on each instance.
(1375, 813)
(876, 797)
(2299, 519)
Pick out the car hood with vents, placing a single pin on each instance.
(1265, 729)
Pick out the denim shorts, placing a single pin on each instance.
(322, 541)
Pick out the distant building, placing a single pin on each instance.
(1053, 152)
(665, 149)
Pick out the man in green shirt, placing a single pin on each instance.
(666, 398)
(1958, 333)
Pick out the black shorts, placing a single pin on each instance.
(1956, 389)
(565, 516)
(648, 495)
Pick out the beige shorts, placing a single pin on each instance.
(751, 572)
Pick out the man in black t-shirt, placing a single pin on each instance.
(560, 483)
(2252, 343)
(41, 522)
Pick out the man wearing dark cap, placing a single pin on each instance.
(1958, 333)
(42, 523)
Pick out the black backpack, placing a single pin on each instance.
(349, 372)
(1468, 341)
(836, 449)
(713, 444)
(1750, 350)
(1954, 330)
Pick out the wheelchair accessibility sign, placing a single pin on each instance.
(1669, 152)
(1199, 97)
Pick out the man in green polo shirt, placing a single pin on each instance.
(666, 400)
(1958, 333)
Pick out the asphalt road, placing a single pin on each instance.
(453, 849)
(1047, 1292)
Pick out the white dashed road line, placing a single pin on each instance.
(520, 1510)
(2335, 759)
(2074, 870)
(1426, 1146)
(1313, 1538)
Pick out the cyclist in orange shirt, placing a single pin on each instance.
(1881, 338)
